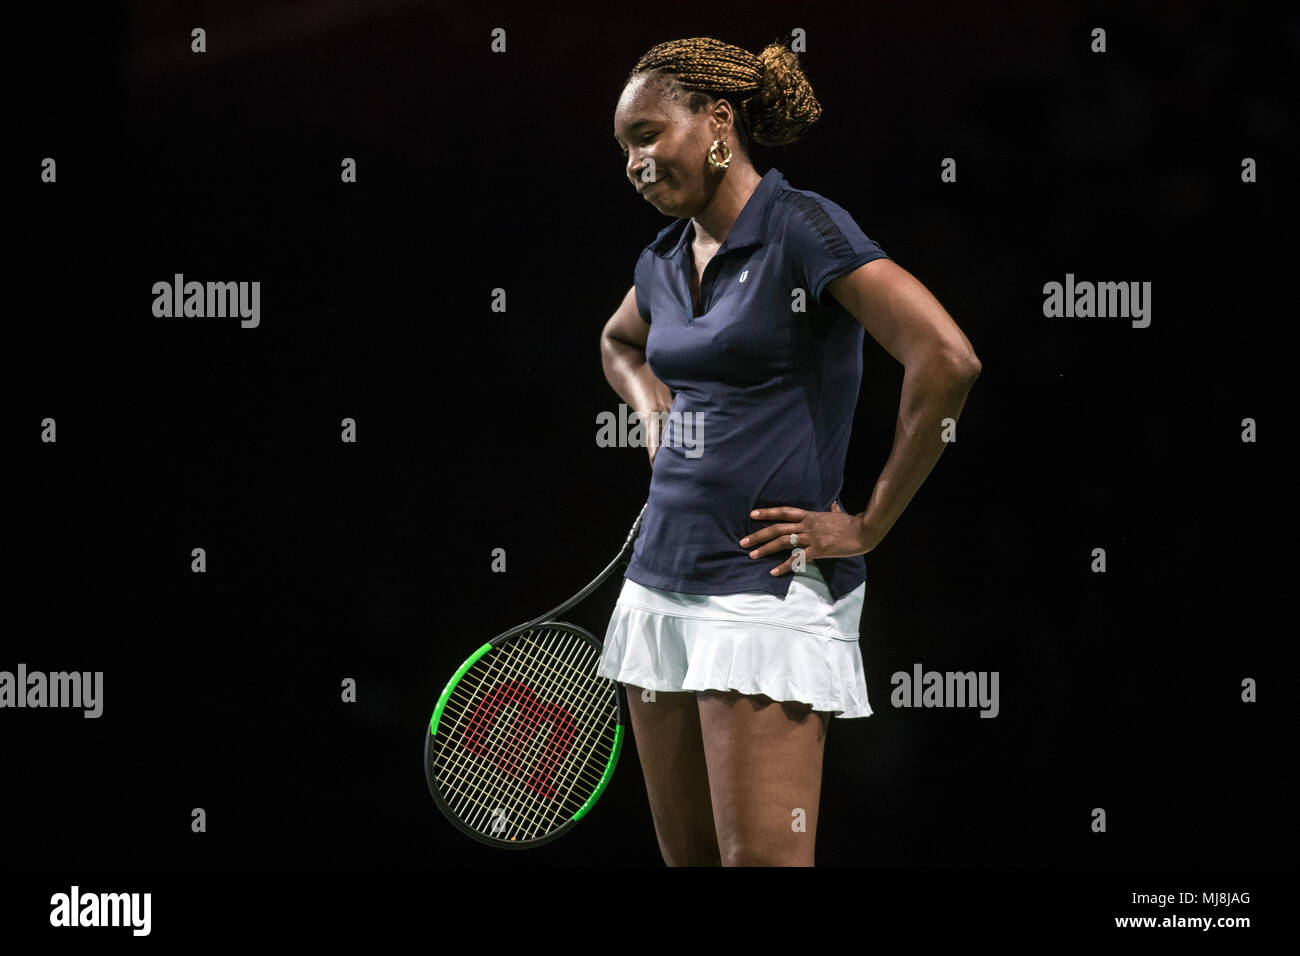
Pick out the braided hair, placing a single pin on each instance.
(773, 100)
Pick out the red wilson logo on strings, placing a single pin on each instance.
(530, 720)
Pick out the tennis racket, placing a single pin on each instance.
(526, 735)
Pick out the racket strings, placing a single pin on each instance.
(583, 691)
(466, 700)
(496, 790)
(515, 741)
(530, 667)
(527, 712)
(500, 674)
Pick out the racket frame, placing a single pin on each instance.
(549, 619)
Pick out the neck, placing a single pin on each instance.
(713, 224)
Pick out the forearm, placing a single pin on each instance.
(932, 391)
(629, 374)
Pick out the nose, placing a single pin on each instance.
(636, 166)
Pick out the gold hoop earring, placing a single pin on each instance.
(713, 162)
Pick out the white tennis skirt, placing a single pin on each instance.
(801, 648)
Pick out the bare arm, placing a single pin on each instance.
(940, 368)
(622, 356)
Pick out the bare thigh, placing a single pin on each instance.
(671, 749)
(765, 773)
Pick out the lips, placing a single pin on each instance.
(648, 186)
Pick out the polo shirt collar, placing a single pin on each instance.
(748, 229)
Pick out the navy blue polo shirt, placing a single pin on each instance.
(764, 395)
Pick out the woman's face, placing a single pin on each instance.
(649, 127)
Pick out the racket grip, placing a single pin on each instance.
(636, 525)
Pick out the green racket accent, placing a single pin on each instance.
(455, 679)
(527, 729)
(604, 778)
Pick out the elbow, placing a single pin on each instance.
(608, 355)
(960, 368)
(952, 362)
(963, 364)
(608, 345)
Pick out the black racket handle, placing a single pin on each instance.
(626, 554)
(624, 557)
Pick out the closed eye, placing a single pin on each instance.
(644, 139)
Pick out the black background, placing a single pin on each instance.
(478, 170)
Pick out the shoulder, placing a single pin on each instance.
(805, 216)
(820, 238)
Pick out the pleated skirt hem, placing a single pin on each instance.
(707, 647)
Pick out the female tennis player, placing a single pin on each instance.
(741, 604)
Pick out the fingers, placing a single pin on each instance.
(787, 566)
(779, 540)
(778, 514)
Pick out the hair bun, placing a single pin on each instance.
(784, 106)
